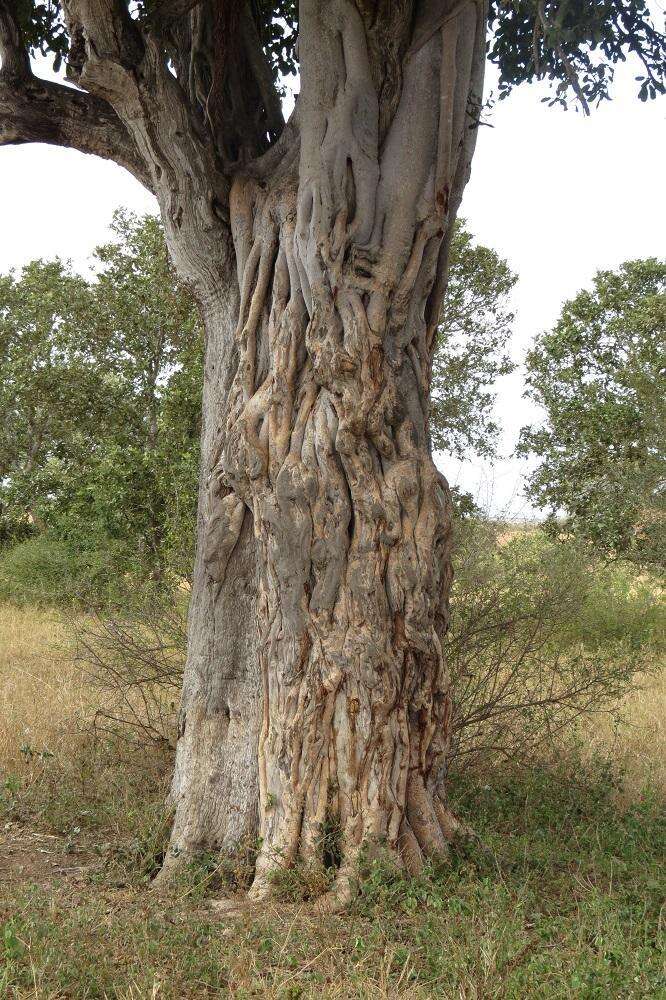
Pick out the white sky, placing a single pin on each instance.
(559, 195)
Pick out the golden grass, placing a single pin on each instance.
(463, 936)
(42, 692)
(638, 742)
(45, 696)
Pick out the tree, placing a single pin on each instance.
(50, 386)
(145, 330)
(317, 251)
(599, 376)
(470, 349)
(101, 402)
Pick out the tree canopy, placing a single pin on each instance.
(470, 354)
(230, 57)
(573, 43)
(51, 389)
(599, 374)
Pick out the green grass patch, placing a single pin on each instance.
(566, 902)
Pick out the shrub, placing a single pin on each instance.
(542, 633)
(133, 651)
(45, 570)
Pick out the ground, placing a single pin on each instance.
(43, 860)
(569, 902)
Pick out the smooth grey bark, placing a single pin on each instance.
(214, 792)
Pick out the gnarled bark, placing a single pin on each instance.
(323, 522)
(326, 441)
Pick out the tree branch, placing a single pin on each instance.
(170, 10)
(13, 54)
(41, 111)
(34, 110)
(117, 62)
(106, 46)
(261, 71)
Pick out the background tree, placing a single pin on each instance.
(101, 404)
(470, 351)
(145, 331)
(318, 254)
(51, 390)
(600, 376)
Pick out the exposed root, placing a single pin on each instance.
(262, 888)
(440, 834)
(424, 822)
(341, 894)
(231, 909)
(410, 850)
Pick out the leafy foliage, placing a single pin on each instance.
(50, 385)
(47, 571)
(146, 333)
(600, 377)
(43, 28)
(100, 403)
(575, 44)
(280, 34)
(471, 348)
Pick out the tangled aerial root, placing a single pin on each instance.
(325, 442)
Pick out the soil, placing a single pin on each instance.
(46, 860)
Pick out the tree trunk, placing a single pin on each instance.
(214, 790)
(323, 437)
(318, 486)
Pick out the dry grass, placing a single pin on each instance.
(45, 698)
(42, 693)
(571, 906)
(638, 743)
(58, 772)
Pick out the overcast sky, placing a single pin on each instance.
(559, 195)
